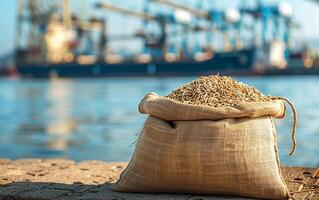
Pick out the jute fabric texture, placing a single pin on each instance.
(206, 150)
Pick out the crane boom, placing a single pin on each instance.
(111, 7)
(194, 11)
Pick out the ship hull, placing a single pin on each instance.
(230, 63)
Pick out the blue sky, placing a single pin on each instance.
(306, 13)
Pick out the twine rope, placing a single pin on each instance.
(293, 134)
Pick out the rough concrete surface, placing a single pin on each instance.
(64, 179)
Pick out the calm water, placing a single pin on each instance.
(98, 118)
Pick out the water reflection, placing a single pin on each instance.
(60, 126)
(98, 118)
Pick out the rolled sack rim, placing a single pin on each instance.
(169, 109)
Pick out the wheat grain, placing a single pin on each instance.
(217, 91)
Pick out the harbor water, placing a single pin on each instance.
(98, 119)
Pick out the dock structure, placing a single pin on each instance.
(172, 38)
(65, 179)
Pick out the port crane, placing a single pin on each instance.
(218, 21)
(266, 23)
(149, 42)
(54, 32)
(157, 45)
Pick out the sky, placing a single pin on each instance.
(306, 13)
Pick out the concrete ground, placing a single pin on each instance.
(64, 179)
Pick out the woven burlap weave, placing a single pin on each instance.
(205, 150)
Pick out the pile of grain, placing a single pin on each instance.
(217, 91)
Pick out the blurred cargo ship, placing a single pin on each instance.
(178, 40)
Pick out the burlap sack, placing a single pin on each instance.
(205, 150)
